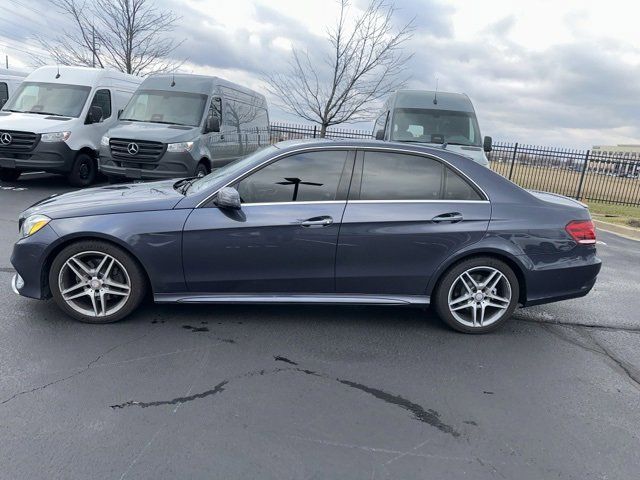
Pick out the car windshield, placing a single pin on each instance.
(231, 169)
(49, 99)
(158, 106)
(435, 126)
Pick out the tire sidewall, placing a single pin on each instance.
(442, 292)
(75, 177)
(9, 174)
(136, 276)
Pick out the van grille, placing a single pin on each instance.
(125, 150)
(17, 142)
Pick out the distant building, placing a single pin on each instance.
(625, 151)
(621, 160)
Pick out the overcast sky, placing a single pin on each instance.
(546, 72)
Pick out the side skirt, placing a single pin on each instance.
(335, 299)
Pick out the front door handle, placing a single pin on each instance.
(323, 221)
(452, 217)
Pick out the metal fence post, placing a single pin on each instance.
(513, 160)
(584, 170)
(314, 131)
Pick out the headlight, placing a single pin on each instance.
(32, 224)
(55, 137)
(104, 141)
(180, 147)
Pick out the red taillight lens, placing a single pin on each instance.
(582, 231)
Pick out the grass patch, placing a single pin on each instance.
(626, 215)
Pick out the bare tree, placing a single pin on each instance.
(367, 62)
(129, 35)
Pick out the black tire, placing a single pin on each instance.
(441, 296)
(84, 171)
(135, 274)
(201, 170)
(9, 174)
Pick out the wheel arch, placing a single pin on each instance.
(64, 242)
(514, 262)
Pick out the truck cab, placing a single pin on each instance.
(182, 125)
(10, 80)
(55, 119)
(447, 120)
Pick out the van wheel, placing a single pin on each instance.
(84, 171)
(9, 174)
(201, 170)
(477, 295)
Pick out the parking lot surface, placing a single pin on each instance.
(290, 392)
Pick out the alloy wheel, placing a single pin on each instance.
(479, 297)
(94, 284)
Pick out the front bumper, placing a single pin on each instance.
(54, 157)
(29, 259)
(169, 165)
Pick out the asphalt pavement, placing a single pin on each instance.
(293, 392)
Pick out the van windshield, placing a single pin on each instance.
(49, 99)
(157, 106)
(435, 126)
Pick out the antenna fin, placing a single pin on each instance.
(435, 94)
(173, 79)
(58, 74)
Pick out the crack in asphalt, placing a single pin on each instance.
(539, 321)
(428, 416)
(594, 346)
(7, 270)
(75, 374)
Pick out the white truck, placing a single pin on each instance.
(447, 120)
(56, 118)
(9, 82)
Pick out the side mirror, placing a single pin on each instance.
(228, 197)
(488, 144)
(212, 124)
(380, 134)
(120, 112)
(94, 115)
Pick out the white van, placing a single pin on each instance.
(9, 82)
(56, 118)
(447, 120)
(182, 126)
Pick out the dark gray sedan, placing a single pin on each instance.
(353, 222)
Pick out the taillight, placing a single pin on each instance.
(582, 231)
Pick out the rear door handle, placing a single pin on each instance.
(323, 221)
(452, 217)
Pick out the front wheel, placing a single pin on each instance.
(201, 170)
(9, 174)
(84, 171)
(477, 295)
(96, 282)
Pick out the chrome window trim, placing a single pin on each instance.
(419, 201)
(352, 148)
(335, 202)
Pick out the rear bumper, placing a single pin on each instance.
(571, 278)
(54, 157)
(169, 165)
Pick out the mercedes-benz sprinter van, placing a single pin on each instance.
(56, 118)
(183, 126)
(9, 82)
(441, 119)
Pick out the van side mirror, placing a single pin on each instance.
(487, 144)
(380, 134)
(228, 197)
(120, 112)
(94, 115)
(212, 124)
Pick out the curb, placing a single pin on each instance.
(626, 232)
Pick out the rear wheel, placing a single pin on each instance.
(9, 174)
(96, 282)
(477, 295)
(84, 171)
(201, 170)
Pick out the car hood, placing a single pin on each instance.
(156, 132)
(134, 197)
(30, 122)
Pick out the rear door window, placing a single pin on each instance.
(102, 99)
(4, 92)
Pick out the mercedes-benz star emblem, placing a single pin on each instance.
(133, 148)
(5, 138)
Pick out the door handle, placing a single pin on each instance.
(453, 217)
(323, 221)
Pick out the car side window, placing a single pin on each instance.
(4, 93)
(102, 99)
(380, 123)
(215, 109)
(457, 188)
(397, 176)
(302, 177)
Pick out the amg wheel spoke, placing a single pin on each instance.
(474, 313)
(94, 304)
(73, 288)
(102, 262)
(491, 276)
(76, 271)
(103, 304)
(468, 282)
(113, 284)
(463, 306)
(452, 303)
(115, 292)
(496, 305)
(497, 298)
(482, 307)
(109, 267)
(495, 281)
(77, 295)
